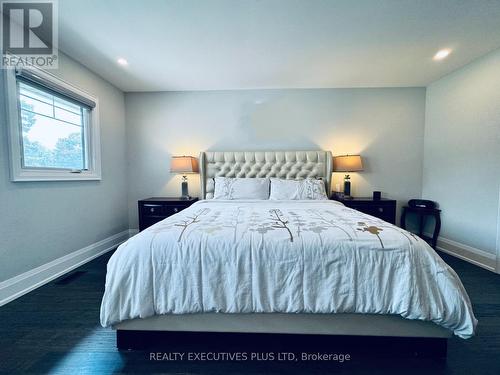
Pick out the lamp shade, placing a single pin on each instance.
(347, 163)
(183, 164)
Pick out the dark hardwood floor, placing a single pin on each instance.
(55, 329)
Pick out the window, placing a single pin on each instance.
(53, 128)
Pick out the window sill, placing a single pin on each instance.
(36, 175)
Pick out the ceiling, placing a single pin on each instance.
(247, 44)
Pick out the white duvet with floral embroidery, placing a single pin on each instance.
(282, 256)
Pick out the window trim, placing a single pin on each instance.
(17, 172)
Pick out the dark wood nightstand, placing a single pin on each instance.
(384, 209)
(153, 210)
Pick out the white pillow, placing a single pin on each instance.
(308, 189)
(241, 188)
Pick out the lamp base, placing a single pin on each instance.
(347, 188)
(184, 189)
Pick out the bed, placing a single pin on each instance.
(281, 266)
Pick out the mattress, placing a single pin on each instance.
(307, 257)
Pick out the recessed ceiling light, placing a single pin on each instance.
(442, 54)
(122, 61)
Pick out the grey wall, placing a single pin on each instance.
(384, 125)
(42, 221)
(462, 151)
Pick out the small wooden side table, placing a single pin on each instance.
(384, 209)
(422, 213)
(153, 210)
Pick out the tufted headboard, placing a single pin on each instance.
(291, 165)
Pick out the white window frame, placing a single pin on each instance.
(18, 173)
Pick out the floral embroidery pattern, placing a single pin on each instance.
(318, 229)
(407, 235)
(262, 229)
(213, 225)
(312, 189)
(228, 189)
(298, 221)
(279, 222)
(191, 220)
(329, 223)
(371, 229)
(382, 225)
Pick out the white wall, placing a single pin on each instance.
(462, 152)
(384, 125)
(42, 221)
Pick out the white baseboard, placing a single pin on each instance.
(468, 253)
(21, 284)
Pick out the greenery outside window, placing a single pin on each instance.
(53, 128)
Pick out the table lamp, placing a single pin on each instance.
(183, 165)
(347, 163)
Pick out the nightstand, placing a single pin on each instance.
(153, 210)
(384, 209)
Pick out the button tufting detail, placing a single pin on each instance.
(251, 164)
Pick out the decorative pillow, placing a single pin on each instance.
(241, 188)
(308, 189)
